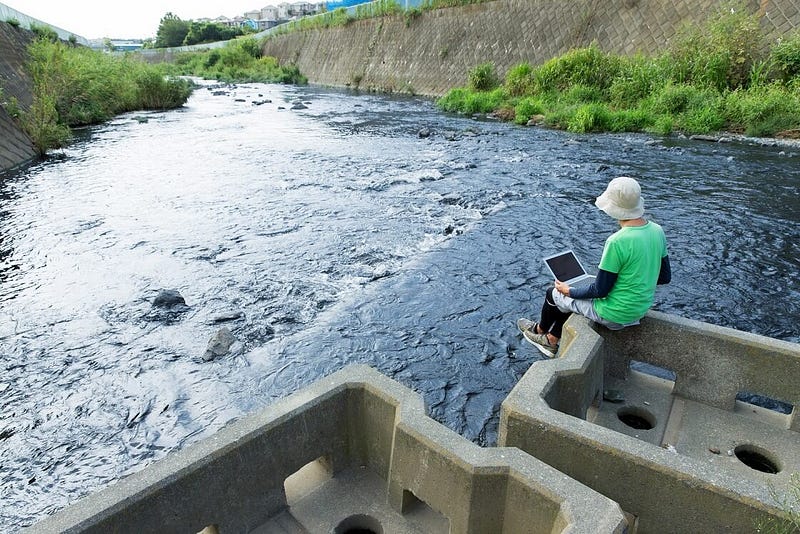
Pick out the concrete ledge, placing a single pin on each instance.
(368, 432)
(685, 473)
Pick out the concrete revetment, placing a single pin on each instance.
(641, 430)
(353, 452)
(672, 444)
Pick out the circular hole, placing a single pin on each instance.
(359, 524)
(637, 418)
(756, 458)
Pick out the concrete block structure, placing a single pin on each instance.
(354, 452)
(680, 448)
(433, 52)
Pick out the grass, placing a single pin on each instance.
(379, 8)
(75, 86)
(714, 77)
(239, 61)
(789, 504)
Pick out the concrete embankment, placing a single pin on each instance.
(15, 147)
(432, 52)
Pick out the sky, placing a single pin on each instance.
(132, 19)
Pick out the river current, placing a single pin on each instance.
(363, 228)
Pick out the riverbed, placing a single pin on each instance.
(352, 228)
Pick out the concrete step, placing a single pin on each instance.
(283, 523)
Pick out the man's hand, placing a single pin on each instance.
(562, 288)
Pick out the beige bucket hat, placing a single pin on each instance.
(622, 199)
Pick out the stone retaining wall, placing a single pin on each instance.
(433, 52)
(15, 146)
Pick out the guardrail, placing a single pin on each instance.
(8, 13)
(351, 10)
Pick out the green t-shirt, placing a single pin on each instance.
(634, 253)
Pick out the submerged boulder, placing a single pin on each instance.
(219, 344)
(168, 307)
(168, 299)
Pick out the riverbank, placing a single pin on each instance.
(325, 236)
(701, 70)
(433, 52)
(16, 148)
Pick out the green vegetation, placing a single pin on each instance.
(74, 86)
(239, 61)
(13, 22)
(790, 505)
(378, 8)
(172, 32)
(718, 77)
(44, 32)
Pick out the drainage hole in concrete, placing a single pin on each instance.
(636, 418)
(756, 458)
(359, 524)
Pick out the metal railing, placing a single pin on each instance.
(351, 10)
(25, 21)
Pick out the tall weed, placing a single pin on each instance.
(763, 111)
(584, 66)
(637, 78)
(453, 100)
(785, 55)
(519, 80)
(721, 53)
(238, 61)
(527, 108)
(73, 86)
(483, 78)
(483, 101)
(590, 118)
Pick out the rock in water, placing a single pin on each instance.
(228, 316)
(219, 344)
(168, 298)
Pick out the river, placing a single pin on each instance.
(323, 236)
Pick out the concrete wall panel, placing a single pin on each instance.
(16, 147)
(358, 421)
(689, 478)
(433, 52)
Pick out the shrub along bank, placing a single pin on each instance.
(713, 78)
(374, 9)
(238, 61)
(75, 86)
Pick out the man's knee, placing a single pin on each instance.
(549, 297)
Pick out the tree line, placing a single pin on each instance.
(172, 32)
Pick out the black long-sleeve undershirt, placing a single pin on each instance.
(605, 280)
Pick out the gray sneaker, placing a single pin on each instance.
(540, 341)
(524, 324)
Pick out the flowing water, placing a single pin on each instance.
(326, 236)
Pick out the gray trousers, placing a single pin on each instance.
(586, 308)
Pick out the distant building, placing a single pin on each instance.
(283, 11)
(268, 16)
(117, 45)
(225, 21)
(126, 46)
(301, 9)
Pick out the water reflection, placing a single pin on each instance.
(322, 237)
